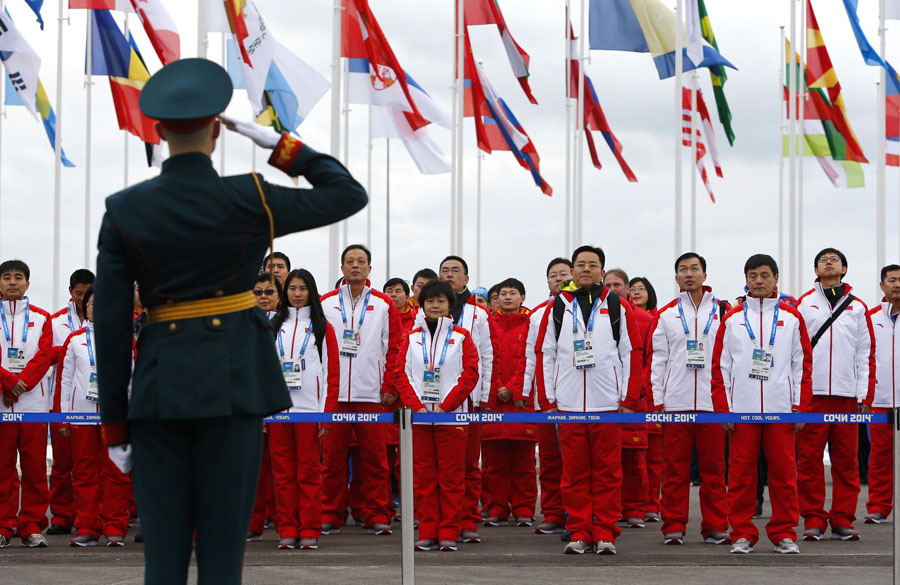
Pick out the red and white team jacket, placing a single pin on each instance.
(373, 370)
(887, 356)
(844, 357)
(614, 381)
(677, 387)
(37, 350)
(63, 323)
(458, 374)
(319, 379)
(789, 386)
(534, 325)
(75, 373)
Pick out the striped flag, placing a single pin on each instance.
(892, 116)
(717, 74)
(686, 115)
(160, 29)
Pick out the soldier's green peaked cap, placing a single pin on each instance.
(186, 89)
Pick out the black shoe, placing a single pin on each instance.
(56, 529)
(566, 536)
(139, 537)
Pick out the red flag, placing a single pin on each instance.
(160, 29)
(234, 10)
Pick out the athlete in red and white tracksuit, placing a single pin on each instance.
(592, 457)
(102, 492)
(683, 386)
(295, 447)
(507, 451)
(30, 343)
(439, 449)
(654, 449)
(634, 435)
(371, 320)
(62, 506)
(843, 377)
(887, 397)
(548, 440)
(788, 388)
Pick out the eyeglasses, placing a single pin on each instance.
(268, 292)
(638, 289)
(827, 259)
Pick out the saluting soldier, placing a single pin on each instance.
(207, 371)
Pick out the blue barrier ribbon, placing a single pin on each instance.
(509, 417)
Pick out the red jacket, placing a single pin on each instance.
(634, 435)
(511, 334)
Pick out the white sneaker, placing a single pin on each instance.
(3, 541)
(35, 541)
(577, 547)
(742, 547)
(787, 547)
(605, 547)
(876, 518)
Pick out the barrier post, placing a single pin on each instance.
(896, 526)
(407, 525)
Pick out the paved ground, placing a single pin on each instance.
(507, 555)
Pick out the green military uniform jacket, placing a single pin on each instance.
(190, 234)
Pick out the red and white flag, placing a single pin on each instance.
(160, 29)
(120, 5)
(709, 144)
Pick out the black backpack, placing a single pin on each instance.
(614, 305)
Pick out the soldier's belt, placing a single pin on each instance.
(202, 308)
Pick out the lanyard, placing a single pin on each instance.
(71, 323)
(344, 312)
(774, 325)
(590, 326)
(712, 315)
(462, 313)
(302, 348)
(443, 352)
(87, 332)
(6, 326)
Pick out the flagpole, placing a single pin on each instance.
(125, 133)
(335, 128)
(801, 148)
(345, 158)
(369, 148)
(479, 155)
(57, 175)
(694, 170)
(578, 203)
(567, 231)
(781, 128)
(88, 83)
(387, 184)
(880, 205)
(202, 40)
(460, 77)
(679, 128)
(454, 131)
(792, 76)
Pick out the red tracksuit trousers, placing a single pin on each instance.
(679, 440)
(654, 472)
(29, 440)
(634, 482)
(374, 471)
(439, 453)
(881, 468)
(297, 479)
(844, 442)
(470, 515)
(592, 480)
(102, 492)
(509, 469)
(778, 441)
(62, 503)
(551, 474)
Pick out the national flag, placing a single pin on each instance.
(421, 146)
(36, 6)
(234, 11)
(48, 117)
(120, 5)
(892, 116)
(117, 57)
(376, 76)
(500, 128)
(643, 26)
(820, 74)
(892, 9)
(717, 75)
(160, 29)
(481, 12)
(869, 55)
(686, 116)
(594, 118)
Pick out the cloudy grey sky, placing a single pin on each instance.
(522, 228)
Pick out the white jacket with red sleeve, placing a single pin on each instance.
(37, 349)
(677, 387)
(887, 356)
(320, 378)
(63, 323)
(534, 326)
(372, 372)
(458, 374)
(789, 385)
(75, 373)
(614, 381)
(844, 357)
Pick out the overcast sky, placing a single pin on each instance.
(522, 228)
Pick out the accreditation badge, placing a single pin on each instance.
(760, 364)
(15, 359)
(696, 357)
(350, 343)
(584, 355)
(93, 393)
(293, 374)
(431, 386)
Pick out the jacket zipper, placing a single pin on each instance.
(761, 305)
(696, 336)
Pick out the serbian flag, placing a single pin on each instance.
(120, 5)
(594, 118)
(117, 57)
(160, 29)
(480, 12)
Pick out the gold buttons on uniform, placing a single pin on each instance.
(219, 293)
(172, 326)
(217, 322)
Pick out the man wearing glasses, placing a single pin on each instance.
(843, 380)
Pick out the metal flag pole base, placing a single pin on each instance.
(896, 525)
(407, 527)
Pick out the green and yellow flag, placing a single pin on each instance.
(717, 74)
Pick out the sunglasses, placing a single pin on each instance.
(268, 292)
